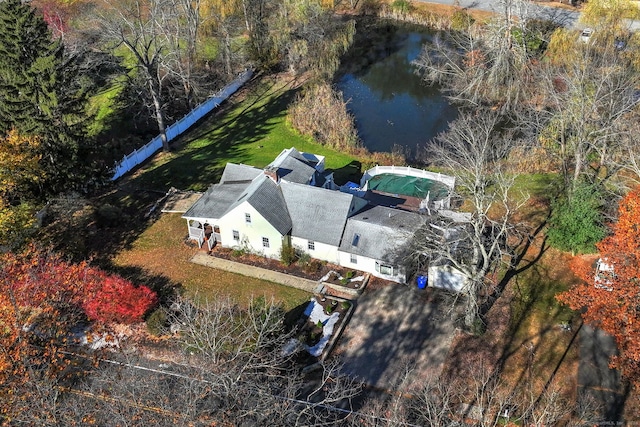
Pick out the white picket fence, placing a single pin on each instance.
(140, 155)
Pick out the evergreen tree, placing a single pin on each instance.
(41, 95)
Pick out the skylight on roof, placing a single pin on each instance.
(356, 239)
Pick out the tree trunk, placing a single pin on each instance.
(159, 116)
(470, 309)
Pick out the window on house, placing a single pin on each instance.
(311, 245)
(354, 259)
(384, 269)
(247, 218)
(265, 242)
(356, 239)
(236, 235)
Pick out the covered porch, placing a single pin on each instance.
(203, 232)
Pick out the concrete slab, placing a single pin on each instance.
(179, 201)
(392, 328)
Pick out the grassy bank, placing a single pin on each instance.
(252, 131)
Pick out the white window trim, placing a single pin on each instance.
(380, 267)
(265, 242)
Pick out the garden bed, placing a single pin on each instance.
(350, 282)
(319, 326)
(339, 278)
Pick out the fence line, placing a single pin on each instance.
(138, 156)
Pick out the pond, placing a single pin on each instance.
(390, 103)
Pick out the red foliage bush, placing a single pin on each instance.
(118, 300)
(43, 281)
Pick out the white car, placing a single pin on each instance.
(604, 275)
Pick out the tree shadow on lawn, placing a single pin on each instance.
(202, 159)
(350, 172)
(531, 339)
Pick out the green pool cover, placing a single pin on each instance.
(408, 186)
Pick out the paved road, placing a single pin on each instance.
(595, 379)
(568, 18)
(565, 17)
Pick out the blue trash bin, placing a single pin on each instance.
(422, 282)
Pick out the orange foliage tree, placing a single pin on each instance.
(41, 298)
(615, 305)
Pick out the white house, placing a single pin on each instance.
(292, 201)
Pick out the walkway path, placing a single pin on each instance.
(203, 258)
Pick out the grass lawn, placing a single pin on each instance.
(160, 250)
(539, 349)
(536, 347)
(252, 132)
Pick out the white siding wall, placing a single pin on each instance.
(369, 265)
(322, 251)
(250, 234)
(446, 277)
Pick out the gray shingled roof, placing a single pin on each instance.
(380, 232)
(293, 167)
(216, 201)
(316, 214)
(233, 173)
(267, 199)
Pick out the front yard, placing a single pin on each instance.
(161, 250)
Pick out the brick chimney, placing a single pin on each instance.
(272, 172)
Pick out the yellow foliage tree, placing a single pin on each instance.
(608, 15)
(19, 169)
(562, 47)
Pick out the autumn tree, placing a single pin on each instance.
(19, 171)
(613, 306)
(41, 298)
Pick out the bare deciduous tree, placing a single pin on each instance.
(484, 64)
(585, 112)
(474, 150)
(137, 26)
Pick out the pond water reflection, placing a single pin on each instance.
(390, 103)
